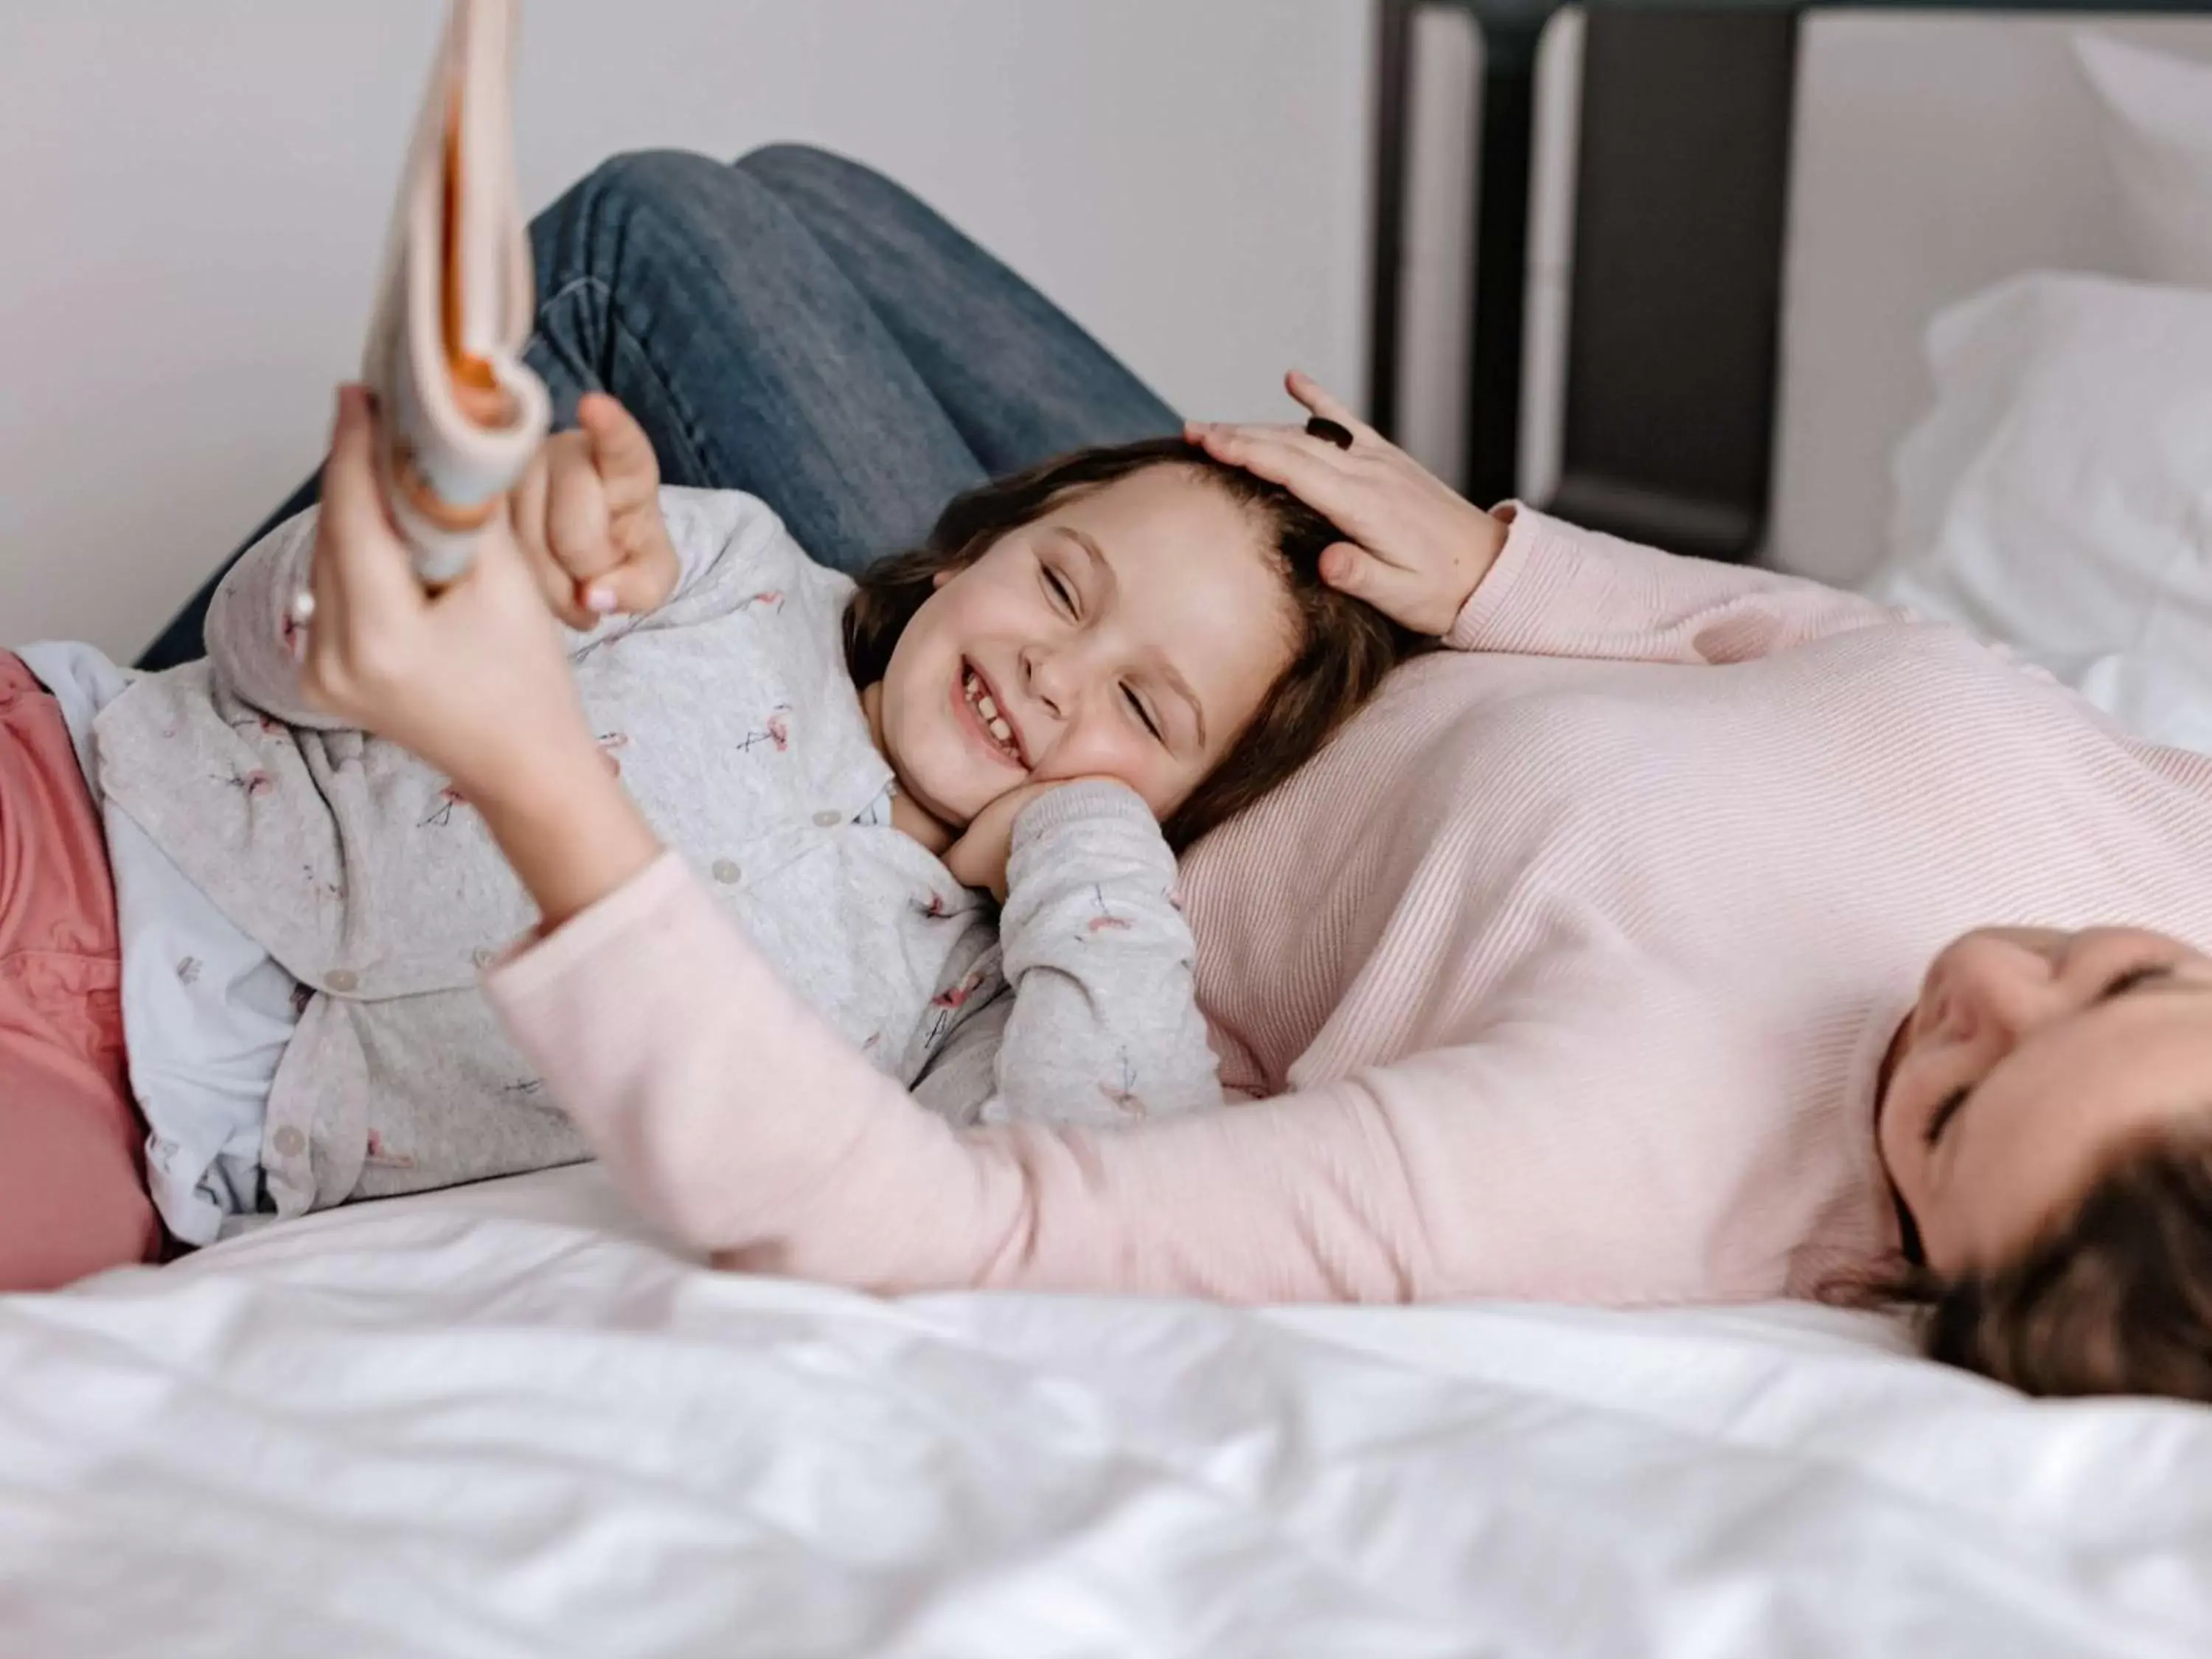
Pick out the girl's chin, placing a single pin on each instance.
(968, 778)
(953, 798)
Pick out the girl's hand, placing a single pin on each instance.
(979, 858)
(1417, 549)
(474, 679)
(588, 515)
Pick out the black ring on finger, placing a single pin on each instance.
(1335, 431)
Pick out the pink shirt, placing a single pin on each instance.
(1568, 967)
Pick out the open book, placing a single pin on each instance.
(460, 417)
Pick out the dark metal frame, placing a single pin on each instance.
(1680, 212)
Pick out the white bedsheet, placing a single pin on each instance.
(502, 1422)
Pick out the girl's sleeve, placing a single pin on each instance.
(1558, 590)
(726, 535)
(1099, 1022)
(732, 1113)
(250, 630)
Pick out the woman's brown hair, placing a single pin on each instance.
(2117, 1298)
(1342, 648)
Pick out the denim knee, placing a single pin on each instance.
(673, 179)
(803, 172)
(802, 163)
(655, 212)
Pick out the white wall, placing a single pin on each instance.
(193, 197)
(1933, 155)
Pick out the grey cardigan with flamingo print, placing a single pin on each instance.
(730, 716)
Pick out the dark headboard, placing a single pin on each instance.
(1680, 207)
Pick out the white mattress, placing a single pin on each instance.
(502, 1422)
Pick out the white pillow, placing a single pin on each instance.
(2158, 136)
(2059, 494)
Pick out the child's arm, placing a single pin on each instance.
(1103, 1023)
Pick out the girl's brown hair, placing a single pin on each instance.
(2117, 1298)
(1342, 650)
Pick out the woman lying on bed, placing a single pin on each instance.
(1619, 953)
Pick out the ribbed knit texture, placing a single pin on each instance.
(1569, 965)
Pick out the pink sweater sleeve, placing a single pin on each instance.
(1556, 591)
(730, 1111)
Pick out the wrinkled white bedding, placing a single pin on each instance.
(500, 1421)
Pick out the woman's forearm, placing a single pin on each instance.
(568, 828)
(735, 1115)
(1559, 591)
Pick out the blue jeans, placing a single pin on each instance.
(797, 327)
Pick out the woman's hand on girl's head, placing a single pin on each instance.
(587, 516)
(474, 678)
(1416, 549)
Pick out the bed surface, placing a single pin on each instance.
(503, 1421)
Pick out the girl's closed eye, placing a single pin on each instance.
(1061, 590)
(1144, 713)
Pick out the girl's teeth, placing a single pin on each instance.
(993, 722)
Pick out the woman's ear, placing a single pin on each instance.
(938, 578)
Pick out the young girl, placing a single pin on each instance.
(1123, 639)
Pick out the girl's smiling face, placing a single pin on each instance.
(1130, 632)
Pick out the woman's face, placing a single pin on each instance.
(2034, 1058)
(1129, 633)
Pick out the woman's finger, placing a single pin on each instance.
(506, 569)
(562, 592)
(502, 558)
(311, 641)
(525, 502)
(579, 527)
(1326, 448)
(1223, 440)
(1320, 401)
(628, 468)
(1395, 592)
(1310, 468)
(323, 641)
(526, 511)
(642, 582)
(367, 562)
